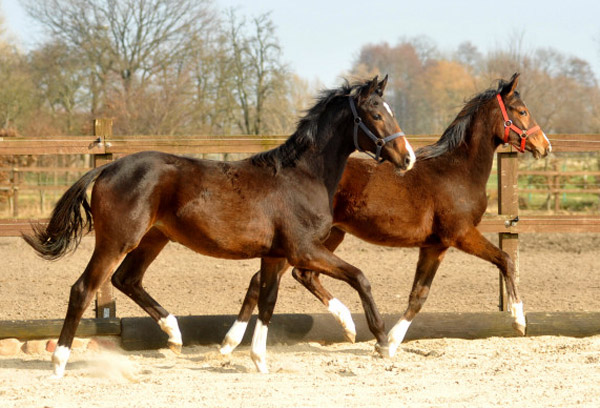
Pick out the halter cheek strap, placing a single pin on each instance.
(379, 143)
(509, 125)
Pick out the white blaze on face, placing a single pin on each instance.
(411, 154)
(385, 104)
(548, 140)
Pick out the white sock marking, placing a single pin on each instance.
(233, 337)
(59, 360)
(397, 334)
(343, 316)
(517, 312)
(169, 325)
(258, 352)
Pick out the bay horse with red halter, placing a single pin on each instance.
(275, 205)
(435, 206)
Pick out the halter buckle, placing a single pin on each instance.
(508, 123)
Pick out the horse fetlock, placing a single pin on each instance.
(169, 325)
(234, 337)
(343, 316)
(397, 334)
(59, 361)
(258, 351)
(520, 323)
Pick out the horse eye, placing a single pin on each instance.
(523, 113)
(377, 116)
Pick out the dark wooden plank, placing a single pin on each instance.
(45, 146)
(143, 333)
(41, 329)
(572, 324)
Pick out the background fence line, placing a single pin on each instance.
(103, 147)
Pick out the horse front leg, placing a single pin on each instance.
(429, 261)
(236, 333)
(476, 244)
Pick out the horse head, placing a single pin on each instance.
(519, 128)
(380, 133)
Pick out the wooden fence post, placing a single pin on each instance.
(106, 306)
(15, 191)
(508, 205)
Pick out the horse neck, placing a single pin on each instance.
(476, 155)
(327, 161)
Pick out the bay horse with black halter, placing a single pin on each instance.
(276, 206)
(435, 206)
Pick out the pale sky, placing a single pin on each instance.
(321, 38)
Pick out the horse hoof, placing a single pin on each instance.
(175, 347)
(350, 336)
(383, 351)
(520, 328)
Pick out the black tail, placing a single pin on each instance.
(66, 226)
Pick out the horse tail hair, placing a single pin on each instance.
(67, 225)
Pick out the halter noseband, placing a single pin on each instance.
(509, 125)
(379, 143)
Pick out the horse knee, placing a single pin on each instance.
(363, 283)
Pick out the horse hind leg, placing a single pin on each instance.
(101, 264)
(429, 261)
(128, 279)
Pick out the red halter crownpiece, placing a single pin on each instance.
(509, 125)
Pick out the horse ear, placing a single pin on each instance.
(367, 90)
(510, 88)
(381, 86)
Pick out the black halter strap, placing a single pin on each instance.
(379, 143)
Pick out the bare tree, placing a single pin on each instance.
(255, 60)
(128, 40)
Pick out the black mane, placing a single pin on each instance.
(455, 134)
(308, 132)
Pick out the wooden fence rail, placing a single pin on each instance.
(105, 147)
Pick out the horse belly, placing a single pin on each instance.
(224, 236)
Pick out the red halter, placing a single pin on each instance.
(509, 125)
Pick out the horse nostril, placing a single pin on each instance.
(407, 161)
